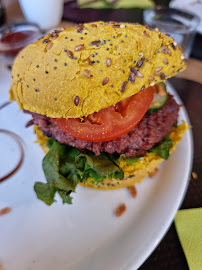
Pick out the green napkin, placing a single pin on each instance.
(188, 224)
(119, 4)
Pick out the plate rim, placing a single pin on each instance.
(167, 225)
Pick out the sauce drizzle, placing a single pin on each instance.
(19, 142)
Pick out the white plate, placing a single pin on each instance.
(85, 235)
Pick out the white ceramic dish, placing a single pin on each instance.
(85, 235)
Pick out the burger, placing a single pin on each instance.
(98, 103)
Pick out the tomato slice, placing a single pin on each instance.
(111, 122)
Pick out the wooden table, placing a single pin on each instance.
(169, 254)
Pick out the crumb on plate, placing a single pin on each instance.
(133, 191)
(4, 211)
(152, 174)
(120, 210)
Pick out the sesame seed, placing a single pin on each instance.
(76, 100)
(140, 54)
(92, 55)
(98, 61)
(91, 75)
(56, 60)
(70, 54)
(85, 33)
(140, 75)
(46, 41)
(149, 60)
(87, 73)
(105, 81)
(81, 37)
(146, 34)
(89, 61)
(46, 72)
(132, 77)
(151, 78)
(126, 36)
(113, 36)
(165, 61)
(123, 87)
(93, 62)
(66, 37)
(107, 49)
(104, 41)
(37, 66)
(140, 63)
(124, 61)
(55, 67)
(22, 57)
(96, 53)
(109, 40)
(36, 90)
(18, 75)
(173, 66)
(122, 41)
(19, 81)
(65, 64)
(110, 44)
(158, 68)
(95, 42)
(65, 50)
(134, 62)
(71, 39)
(75, 58)
(101, 43)
(49, 45)
(158, 51)
(79, 47)
(27, 86)
(94, 25)
(162, 76)
(34, 79)
(55, 98)
(109, 62)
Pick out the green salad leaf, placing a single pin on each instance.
(65, 166)
(130, 161)
(163, 148)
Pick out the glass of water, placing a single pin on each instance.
(180, 25)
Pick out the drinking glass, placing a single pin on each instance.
(180, 25)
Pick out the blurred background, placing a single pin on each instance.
(23, 21)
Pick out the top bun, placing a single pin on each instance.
(74, 72)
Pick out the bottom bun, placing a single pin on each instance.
(133, 173)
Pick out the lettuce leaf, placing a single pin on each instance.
(163, 148)
(65, 166)
(130, 161)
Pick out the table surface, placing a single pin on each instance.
(169, 254)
